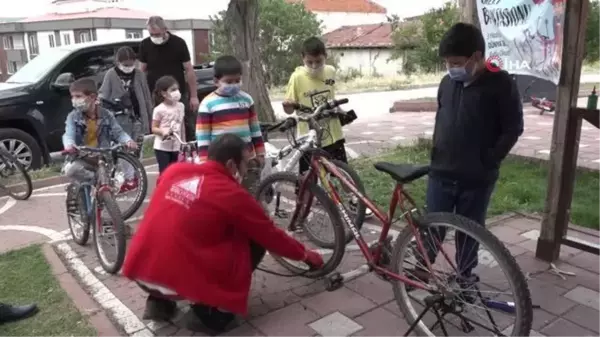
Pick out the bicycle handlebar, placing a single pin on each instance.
(178, 138)
(313, 115)
(87, 149)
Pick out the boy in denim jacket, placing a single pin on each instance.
(90, 125)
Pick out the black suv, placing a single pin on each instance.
(35, 101)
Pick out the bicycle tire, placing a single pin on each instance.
(75, 205)
(142, 183)
(8, 158)
(107, 200)
(505, 260)
(361, 209)
(330, 209)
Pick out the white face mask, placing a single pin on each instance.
(315, 71)
(175, 95)
(125, 69)
(157, 39)
(80, 104)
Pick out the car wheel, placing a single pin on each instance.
(23, 147)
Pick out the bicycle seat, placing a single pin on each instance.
(402, 173)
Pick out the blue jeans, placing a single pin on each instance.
(468, 200)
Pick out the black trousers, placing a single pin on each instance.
(337, 150)
(189, 119)
(210, 317)
(164, 159)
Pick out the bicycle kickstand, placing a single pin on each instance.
(430, 303)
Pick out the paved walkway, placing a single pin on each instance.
(300, 307)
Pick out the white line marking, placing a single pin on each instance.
(366, 133)
(8, 205)
(59, 194)
(429, 132)
(544, 151)
(351, 153)
(107, 300)
(398, 138)
(100, 270)
(532, 138)
(364, 142)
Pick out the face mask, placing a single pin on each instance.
(157, 39)
(315, 71)
(80, 104)
(175, 95)
(126, 70)
(230, 89)
(461, 74)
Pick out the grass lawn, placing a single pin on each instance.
(521, 187)
(26, 278)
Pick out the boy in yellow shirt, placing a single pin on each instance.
(312, 85)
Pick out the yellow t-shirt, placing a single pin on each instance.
(312, 92)
(91, 135)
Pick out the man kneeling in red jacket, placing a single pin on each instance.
(202, 236)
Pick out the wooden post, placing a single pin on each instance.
(565, 135)
(468, 12)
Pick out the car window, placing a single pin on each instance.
(91, 64)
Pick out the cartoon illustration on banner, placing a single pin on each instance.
(524, 36)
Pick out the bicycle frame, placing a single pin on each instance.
(320, 167)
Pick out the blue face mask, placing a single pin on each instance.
(230, 89)
(461, 74)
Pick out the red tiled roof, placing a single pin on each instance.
(360, 36)
(347, 6)
(112, 12)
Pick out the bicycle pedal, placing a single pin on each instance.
(334, 282)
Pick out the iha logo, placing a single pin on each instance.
(494, 63)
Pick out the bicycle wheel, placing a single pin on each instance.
(77, 214)
(108, 225)
(461, 288)
(131, 183)
(283, 183)
(14, 179)
(358, 213)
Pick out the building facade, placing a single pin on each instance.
(86, 21)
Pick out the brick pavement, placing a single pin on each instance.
(365, 306)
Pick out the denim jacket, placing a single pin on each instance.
(108, 129)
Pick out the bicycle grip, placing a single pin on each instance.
(289, 123)
(339, 102)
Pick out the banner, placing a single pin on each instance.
(523, 36)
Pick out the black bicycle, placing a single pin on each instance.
(14, 179)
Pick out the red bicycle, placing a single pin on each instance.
(442, 298)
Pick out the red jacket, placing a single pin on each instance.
(194, 237)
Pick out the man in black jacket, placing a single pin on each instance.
(479, 119)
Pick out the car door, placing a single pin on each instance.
(88, 63)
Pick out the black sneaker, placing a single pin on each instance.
(159, 309)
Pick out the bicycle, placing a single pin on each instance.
(188, 152)
(295, 150)
(442, 295)
(88, 200)
(14, 179)
(130, 163)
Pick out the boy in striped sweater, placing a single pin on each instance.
(231, 110)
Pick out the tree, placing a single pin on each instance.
(417, 41)
(240, 23)
(592, 35)
(282, 27)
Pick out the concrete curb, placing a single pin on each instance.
(82, 301)
(60, 179)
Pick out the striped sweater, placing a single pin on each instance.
(218, 115)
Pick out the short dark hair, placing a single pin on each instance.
(125, 54)
(85, 85)
(462, 39)
(313, 46)
(226, 147)
(227, 65)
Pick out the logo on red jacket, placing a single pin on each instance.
(186, 191)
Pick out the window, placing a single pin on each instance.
(34, 49)
(9, 43)
(12, 67)
(133, 34)
(57, 38)
(67, 39)
(85, 37)
(91, 64)
(38, 67)
(51, 41)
